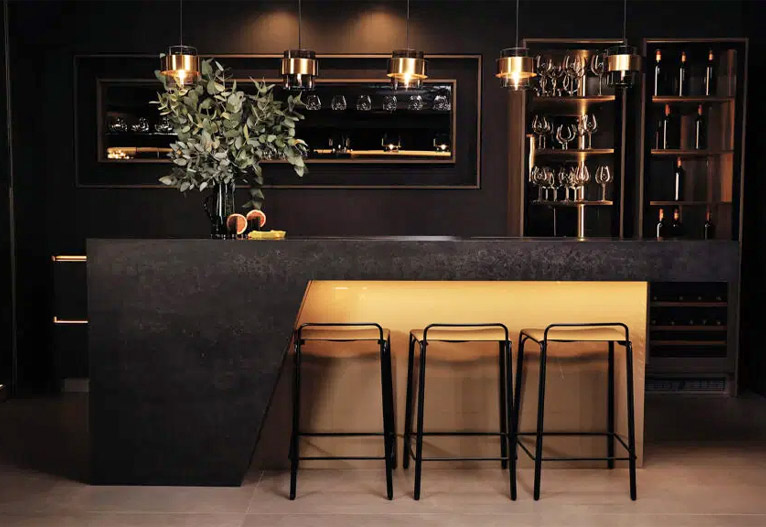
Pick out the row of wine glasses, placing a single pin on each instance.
(542, 126)
(141, 126)
(390, 103)
(573, 176)
(556, 79)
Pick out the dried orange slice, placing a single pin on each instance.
(257, 215)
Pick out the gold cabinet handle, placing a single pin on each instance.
(64, 321)
(69, 258)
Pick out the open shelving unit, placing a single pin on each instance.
(590, 215)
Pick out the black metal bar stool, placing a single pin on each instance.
(345, 332)
(455, 333)
(610, 333)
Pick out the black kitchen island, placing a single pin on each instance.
(187, 337)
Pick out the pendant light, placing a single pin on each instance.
(514, 67)
(181, 63)
(623, 63)
(407, 67)
(299, 66)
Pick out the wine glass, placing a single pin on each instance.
(565, 134)
(572, 180)
(563, 177)
(590, 125)
(338, 103)
(416, 103)
(442, 103)
(538, 127)
(364, 103)
(543, 66)
(598, 67)
(557, 72)
(553, 183)
(574, 67)
(389, 103)
(603, 176)
(582, 176)
(540, 178)
(313, 102)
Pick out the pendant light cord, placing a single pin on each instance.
(407, 30)
(625, 22)
(181, 21)
(517, 23)
(300, 23)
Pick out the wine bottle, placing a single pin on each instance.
(678, 185)
(708, 230)
(700, 130)
(663, 130)
(661, 227)
(683, 76)
(676, 227)
(657, 73)
(710, 74)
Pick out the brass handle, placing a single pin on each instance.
(63, 321)
(69, 258)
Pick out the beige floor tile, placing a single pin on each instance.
(122, 520)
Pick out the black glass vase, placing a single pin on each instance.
(219, 205)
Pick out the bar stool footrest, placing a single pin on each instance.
(613, 435)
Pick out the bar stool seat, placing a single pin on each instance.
(490, 334)
(345, 332)
(576, 334)
(342, 334)
(455, 333)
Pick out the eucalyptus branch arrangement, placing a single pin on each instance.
(224, 133)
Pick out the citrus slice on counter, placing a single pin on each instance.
(257, 215)
(236, 224)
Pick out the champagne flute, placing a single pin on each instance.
(603, 176)
(598, 67)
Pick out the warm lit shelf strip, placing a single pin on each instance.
(68, 322)
(69, 258)
(689, 153)
(687, 328)
(688, 343)
(573, 151)
(667, 99)
(587, 98)
(672, 203)
(689, 304)
(565, 203)
(399, 153)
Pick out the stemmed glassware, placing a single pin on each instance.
(442, 103)
(582, 177)
(565, 133)
(590, 126)
(603, 177)
(543, 67)
(416, 103)
(557, 72)
(338, 103)
(389, 103)
(364, 103)
(541, 126)
(598, 67)
(563, 177)
(574, 70)
(538, 177)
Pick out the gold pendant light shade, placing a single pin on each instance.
(407, 68)
(515, 68)
(623, 65)
(181, 64)
(299, 69)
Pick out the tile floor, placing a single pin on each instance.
(708, 472)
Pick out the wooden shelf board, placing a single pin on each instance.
(564, 203)
(672, 203)
(577, 98)
(687, 304)
(573, 151)
(689, 153)
(668, 99)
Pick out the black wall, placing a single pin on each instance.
(6, 322)
(56, 217)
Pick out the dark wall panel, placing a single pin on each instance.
(56, 217)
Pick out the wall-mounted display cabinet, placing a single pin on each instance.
(360, 131)
(693, 138)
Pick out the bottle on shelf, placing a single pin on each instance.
(679, 175)
(661, 228)
(665, 136)
(658, 73)
(710, 74)
(708, 230)
(700, 130)
(683, 76)
(676, 229)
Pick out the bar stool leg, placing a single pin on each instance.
(509, 409)
(610, 407)
(540, 415)
(515, 415)
(631, 422)
(419, 433)
(408, 407)
(391, 404)
(503, 408)
(385, 385)
(294, 437)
